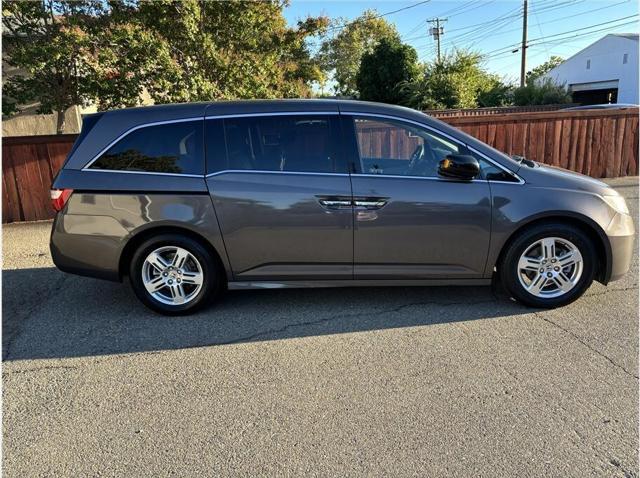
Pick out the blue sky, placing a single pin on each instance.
(491, 27)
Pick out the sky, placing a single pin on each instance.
(490, 27)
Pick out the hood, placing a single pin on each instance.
(544, 175)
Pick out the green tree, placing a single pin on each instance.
(390, 64)
(543, 68)
(545, 93)
(69, 53)
(232, 49)
(78, 52)
(342, 53)
(457, 81)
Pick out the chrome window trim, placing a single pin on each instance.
(127, 133)
(259, 171)
(279, 113)
(436, 130)
(155, 173)
(428, 178)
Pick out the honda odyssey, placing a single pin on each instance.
(188, 200)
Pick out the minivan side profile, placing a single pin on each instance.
(189, 200)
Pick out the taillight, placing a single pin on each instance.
(59, 198)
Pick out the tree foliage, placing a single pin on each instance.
(457, 81)
(343, 53)
(541, 70)
(545, 93)
(233, 49)
(76, 52)
(390, 64)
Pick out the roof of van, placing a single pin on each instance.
(227, 107)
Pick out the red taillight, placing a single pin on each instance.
(59, 198)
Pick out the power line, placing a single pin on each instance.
(338, 27)
(564, 18)
(563, 33)
(559, 40)
(500, 21)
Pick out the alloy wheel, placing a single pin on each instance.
(550, 267)
(172, 275)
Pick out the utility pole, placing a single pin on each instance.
(436, 32)
(523, 61)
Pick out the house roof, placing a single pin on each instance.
(628, 36)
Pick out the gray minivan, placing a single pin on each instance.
(188, 200)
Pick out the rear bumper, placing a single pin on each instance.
(83, 254)
(621, 236)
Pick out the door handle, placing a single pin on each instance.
(335, 202)
(370, 203)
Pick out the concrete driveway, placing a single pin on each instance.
(382, 381)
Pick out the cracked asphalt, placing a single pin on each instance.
(380, 381)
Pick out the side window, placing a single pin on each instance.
(395, 148)
(167, 148)
(297, 143)
(491, 172)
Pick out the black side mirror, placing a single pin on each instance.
(459, 166)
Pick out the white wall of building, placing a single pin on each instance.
(605, 58)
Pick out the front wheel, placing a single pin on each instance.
(549, 265)
(174, 274)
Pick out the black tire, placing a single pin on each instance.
(508, 267)
(211, 286)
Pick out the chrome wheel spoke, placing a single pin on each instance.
(570, 258)
(548, 248)
(157, 261)
(180, 258)
(155, 284)
(563, 282)
(529, 263)
(177, 292)
(192, 278)
(537, 284)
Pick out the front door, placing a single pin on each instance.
(281, 192)
(409, 223)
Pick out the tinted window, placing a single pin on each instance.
(492, 172)
(395, 148)
(295, 143)
(167, 148)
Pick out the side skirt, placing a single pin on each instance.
(238, 285)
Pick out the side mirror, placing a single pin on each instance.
(459, 166)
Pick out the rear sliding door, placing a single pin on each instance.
(282, 195)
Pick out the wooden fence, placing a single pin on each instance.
(600, 143)
(29, 164)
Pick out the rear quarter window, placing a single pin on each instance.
(168, 148)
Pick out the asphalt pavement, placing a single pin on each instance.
(443, 381)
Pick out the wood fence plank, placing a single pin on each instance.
(12, 210)
(619, 129)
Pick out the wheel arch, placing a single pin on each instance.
(584, 223)
(138, 238)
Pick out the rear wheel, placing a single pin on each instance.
(549, 265)
(174, 274)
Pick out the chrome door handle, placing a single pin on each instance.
(335, 203)
(370, 204)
